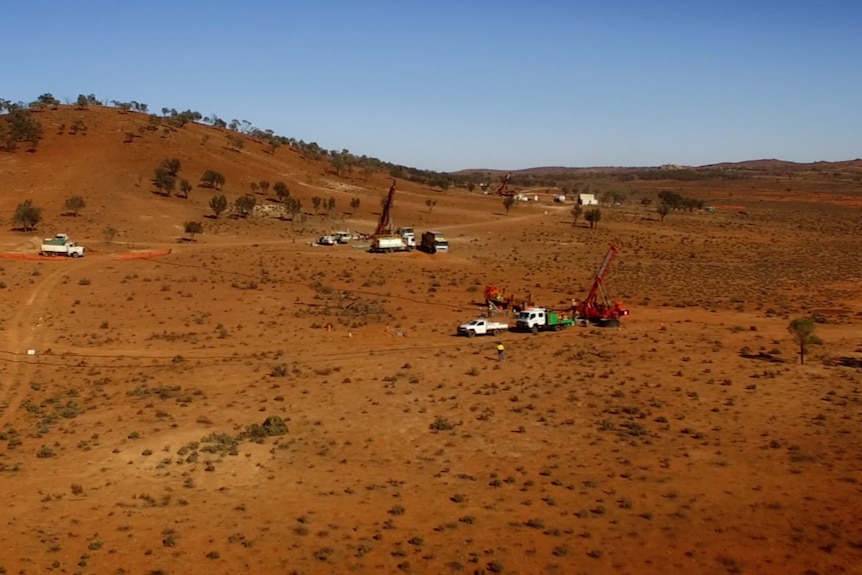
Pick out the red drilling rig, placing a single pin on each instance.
(601, 313)
(502, 190)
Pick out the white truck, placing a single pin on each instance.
(409, 237)
(61, 245)
(388, 243)
(482, 326)
(342, 237)
(325, 241)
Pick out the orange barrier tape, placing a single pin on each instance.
(33, 257)
(143, 255)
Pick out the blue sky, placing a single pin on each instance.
(447, 85)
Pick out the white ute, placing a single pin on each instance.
(482, 326)
(61, 245)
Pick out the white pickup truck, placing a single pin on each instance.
(61, 245)
(482, 326)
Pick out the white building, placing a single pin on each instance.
(587, 200)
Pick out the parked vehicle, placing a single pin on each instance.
(482, 326)
(409, 237)
(434, 242)
(388, 243)
(540, 319)
(61, 245)
(342, 237)
(325, 241)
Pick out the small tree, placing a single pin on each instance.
(330, 206)
(193, 228)
(218, 204)
(19, 126)
(281, 191)
(577, 212)
(254, 187)
(802, 330)
(593, 216)
(294, 207)
(430, 203)
(235, 142)
(171, 165)
(315, 202)
(509, 203)
(244, 205)
(339, 163)
(185, 188)
(81, 102)
(354, 205)
(74, 205)
(663, 210)
(27, 215)
(164, 181)
(264, 186)
(110, 233)
(212, 179)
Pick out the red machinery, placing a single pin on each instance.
(384, 224)
(502, 191)
(495, 299)
(602, 313)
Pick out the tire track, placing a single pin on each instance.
(23, 334)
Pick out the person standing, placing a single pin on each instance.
(501, 351)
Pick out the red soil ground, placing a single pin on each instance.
(690, 440)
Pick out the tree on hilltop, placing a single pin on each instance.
(212, 179)
(218, 204)
(244, 205)
(281, 191)
(172, 165)
(19, 126)
(164, 181)
(27, 215)
(185, 189)
(235, 142)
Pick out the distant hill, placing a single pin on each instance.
(765, 166)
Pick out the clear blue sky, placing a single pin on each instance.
(453, 84)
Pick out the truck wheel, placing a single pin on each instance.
(471, 333)
(495, 332)
(535, 329)
(75, 255)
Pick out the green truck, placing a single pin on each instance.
(540, 319)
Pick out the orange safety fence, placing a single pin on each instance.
(32, 257)
(142, 255)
